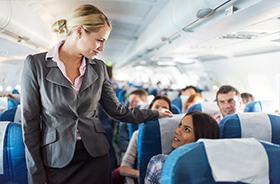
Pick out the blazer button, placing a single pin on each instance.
(74, 117)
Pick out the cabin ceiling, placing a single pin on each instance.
(148, 31)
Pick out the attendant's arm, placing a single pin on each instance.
(31, 109)
(112, 106)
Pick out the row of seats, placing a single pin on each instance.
(156, 136)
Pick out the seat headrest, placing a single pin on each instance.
(261, 126)
(190, 163)
(155, 137)
(210, 108)
(266, 106)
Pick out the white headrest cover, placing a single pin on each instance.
(184, 99)
(237, 160)
(256, 125)
(17, 118)
(167, 130)
(210, 108)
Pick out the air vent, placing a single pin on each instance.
(243, 35)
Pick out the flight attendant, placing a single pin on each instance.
(64, 139)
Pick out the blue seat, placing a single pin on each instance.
(12, 103)
(153, 92)
(206, 107)
(261, 126)
(120, 93)
(15, 170)
(180, 102)
(190, 164)
(175, 109)
(267, 106)
(8, 115)
(155, 137)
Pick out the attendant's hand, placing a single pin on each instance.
(164, 112)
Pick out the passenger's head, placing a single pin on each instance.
(193, 126)
(160, 101)
(227, 100)
(88, 16)
(245, 98)
(137, 97)
(193, 99)
(189, 90)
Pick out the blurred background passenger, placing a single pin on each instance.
(193, 99)
(188, 91)
(245, 98)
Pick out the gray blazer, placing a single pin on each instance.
(52, 112)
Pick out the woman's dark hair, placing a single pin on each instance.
(162, 97)
(205, 126)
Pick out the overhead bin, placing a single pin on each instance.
(20, 24)
(188, 23)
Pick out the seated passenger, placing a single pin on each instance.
(131, 154)
(193, 99)
(227, 100)
(193, 126)
(245, 98)
(188, 91)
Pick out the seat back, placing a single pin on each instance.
(261, 126)
(14, 163)
(155, 137)
(171, 94)
(266, 106)
(191, 164)
(175, 109)
(180, 102)
(210, 108)
(8, 115)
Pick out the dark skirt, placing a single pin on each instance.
(83, 169)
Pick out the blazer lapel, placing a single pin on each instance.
(55, 75)
(90, 75)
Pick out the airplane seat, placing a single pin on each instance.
(200, 162)
(267, 106)
(175, 109)
(261, 126)
(13, 167)
(12, 103)
(17, 118)
(155, 137)
(171, 94)
(153, 92)
(8, 115)
(180, 102)
(210, 108)
(121, 95)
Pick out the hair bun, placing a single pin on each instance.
(60, 26)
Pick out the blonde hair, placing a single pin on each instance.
(90, 17)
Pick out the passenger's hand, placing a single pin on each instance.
(164, 112)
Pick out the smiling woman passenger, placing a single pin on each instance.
(193, 126)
